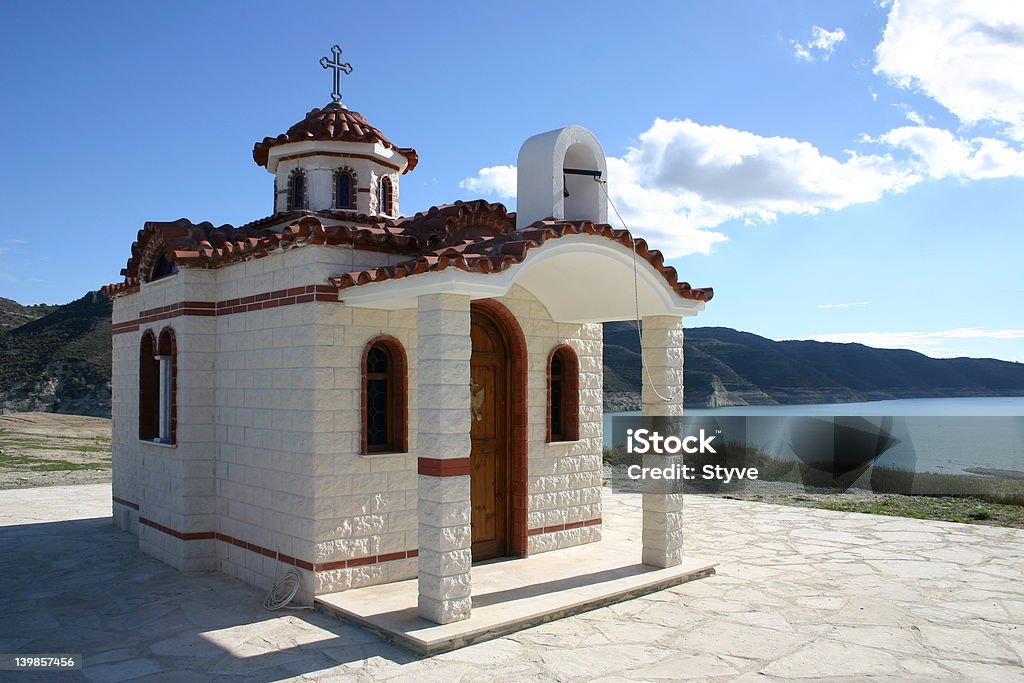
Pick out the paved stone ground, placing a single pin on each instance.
(800, 593)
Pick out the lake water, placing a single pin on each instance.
(935, 434)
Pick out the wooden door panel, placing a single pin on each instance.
(489, 457)
(485, 419)
(482, 495)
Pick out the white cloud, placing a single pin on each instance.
(498, 181)
(852, 304)
(758, 176)
(821, 45)
(939, 344)
(685, 179)
(679, 223)
(965, 54)
(911, 115)
(939, 154)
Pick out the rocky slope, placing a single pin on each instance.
(13, 314)
(60, 361)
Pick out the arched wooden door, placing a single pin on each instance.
(490, 471)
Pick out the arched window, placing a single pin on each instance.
(158, 387)
(167, 357)
(384, 196)
(563, 394)
(149, 389)
(344, 190)
(297, 190)
(384, 397)
(163, 267)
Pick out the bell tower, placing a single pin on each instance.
(559, 175)
(334, 160)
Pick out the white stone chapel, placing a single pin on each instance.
(368, 397)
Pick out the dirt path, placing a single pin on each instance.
(47, 449)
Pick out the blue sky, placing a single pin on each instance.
(842, 171)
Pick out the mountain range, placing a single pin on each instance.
(726, 367)
(57, 359)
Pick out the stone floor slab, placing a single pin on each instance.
(514, 594)
(777, 609)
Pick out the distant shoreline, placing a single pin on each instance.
(997, 473)
(628, 401)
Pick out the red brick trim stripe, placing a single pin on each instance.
(267, 552)
(196, 536)
(444, 467)
(257, 302)
(126, 503)
(361, 561)
(564, 527)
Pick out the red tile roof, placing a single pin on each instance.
(205, 246)
(473, 236)
(491, 253)
(333, 122)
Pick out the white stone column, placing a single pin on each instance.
(663, 360)
(443, 446)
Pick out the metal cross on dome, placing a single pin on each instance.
(337, 66)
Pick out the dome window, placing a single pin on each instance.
(297, 190)
(385, 196)
(344, 190)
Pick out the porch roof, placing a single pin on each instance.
(580, 271)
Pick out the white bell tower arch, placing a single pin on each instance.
(558, 174)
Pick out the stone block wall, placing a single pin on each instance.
(267, 472)
(288, 417)
(160, 487)
(365, 517)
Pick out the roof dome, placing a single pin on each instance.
(333, 122)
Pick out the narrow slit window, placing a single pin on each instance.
(149, 389)
(384, 397)
(563, 395)
(296, 190)
(378, 424)
(157, 387)
(343, 190)
(385, 197)
(557, 394)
